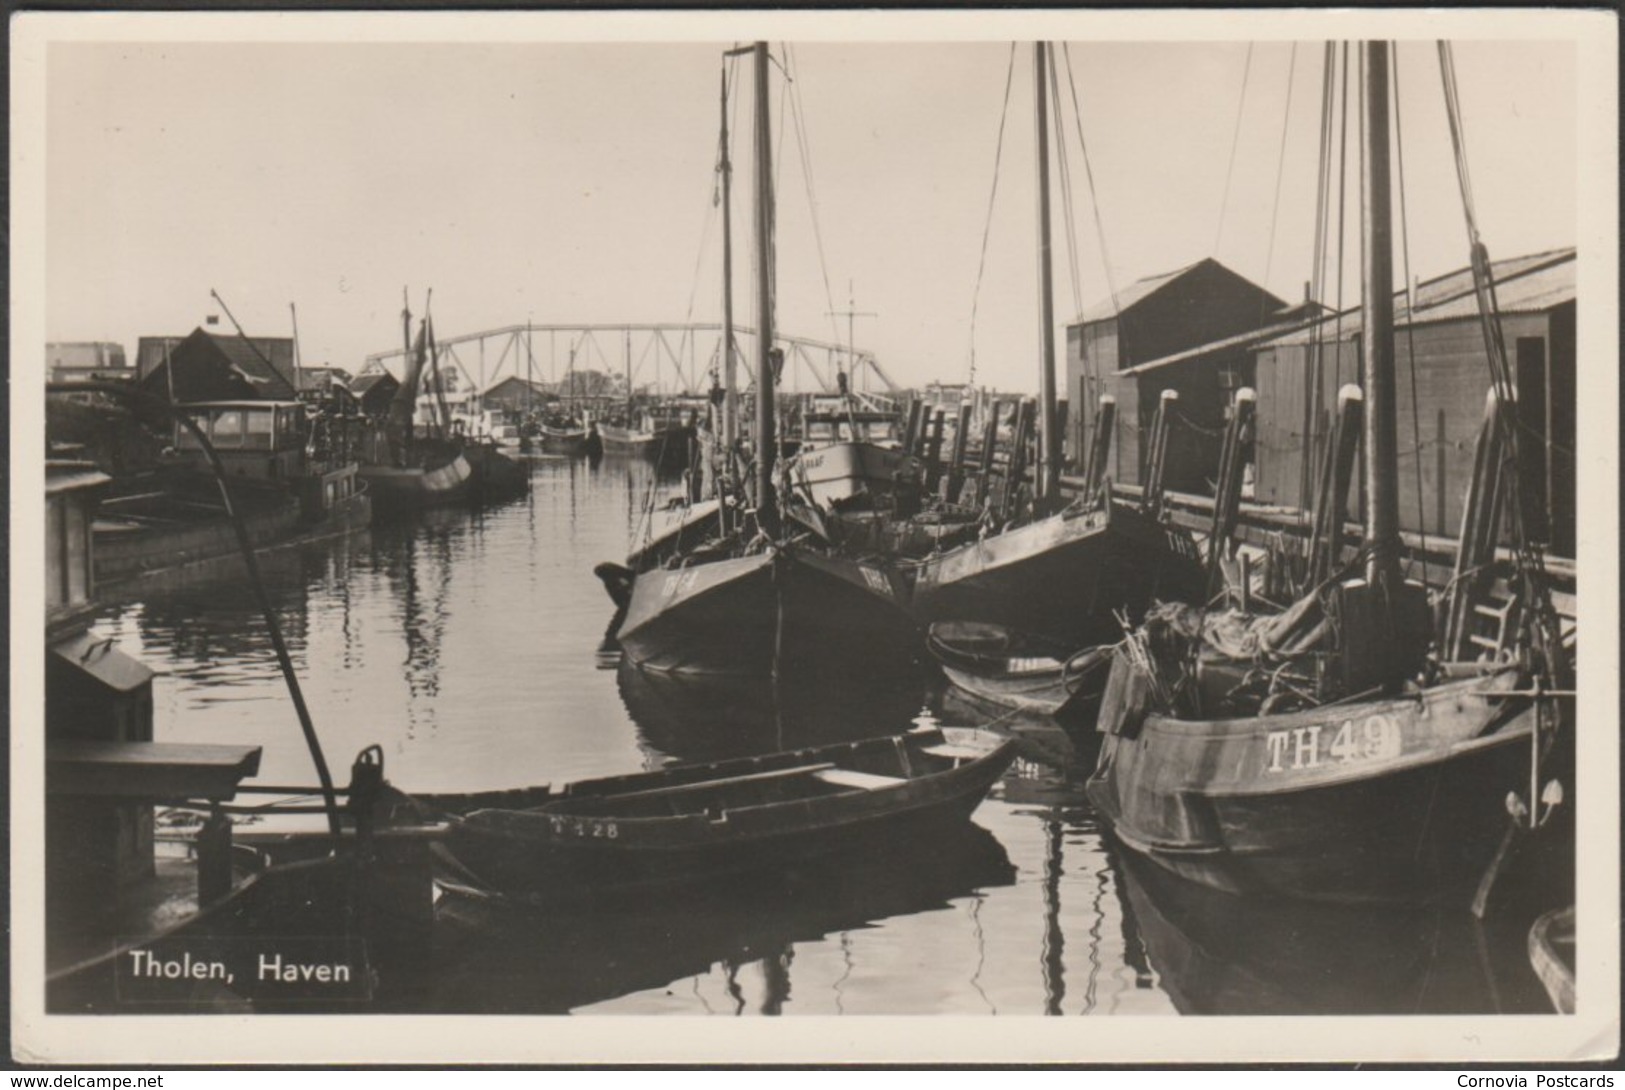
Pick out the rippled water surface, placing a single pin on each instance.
(465, 644)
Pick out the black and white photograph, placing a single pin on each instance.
(835, 516)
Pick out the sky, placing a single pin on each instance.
(574, 183)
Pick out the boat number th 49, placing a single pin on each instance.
(1371, 738)
(595, 829)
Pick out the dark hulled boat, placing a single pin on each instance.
(768, 596)
(1062, 578)
(1331, 753)
(628, 836)
(785, 606)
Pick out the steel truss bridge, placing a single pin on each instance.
(661, 358)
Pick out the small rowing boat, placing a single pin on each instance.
(1551, 955)
(649, 832)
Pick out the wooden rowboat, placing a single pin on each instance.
(649, 832)
(1551, 954)
(1002, 667)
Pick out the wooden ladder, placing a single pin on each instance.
(1496, 621)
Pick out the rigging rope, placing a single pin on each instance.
(1094, 202)
(1065, 168)
(981, 264)
(803, 147)
(1410, 314)
(1235, 141)
(1314, 355)
(1280, 161)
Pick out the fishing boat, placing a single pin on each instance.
(849, 455)
(421, 471)
(786, 605)
(1008, 670)
(174, 516)
(563, 437)
(772, 594)
(649, 832)
(1329, 753)
(1551, 955)
(1061, 572)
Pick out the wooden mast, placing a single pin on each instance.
(730, 399)
(1377, 339)
(764, 289)
(1047, 480)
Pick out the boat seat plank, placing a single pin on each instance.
(958, 753)
(726, 781)
(868, 781)
(147, 771)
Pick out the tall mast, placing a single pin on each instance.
(764, 287)
(1377, 336)
(1048, 477)
(730, 400)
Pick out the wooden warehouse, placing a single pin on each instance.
(1440, 355)
(1150, 319)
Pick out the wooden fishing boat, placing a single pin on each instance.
(1063, 578)
(661, 442)
(1009, 670)
(1377, 800)
(1551, 955)
(438, 483)
(1339, 751)
(770, 597)
(650, 832)
(789, 606)
(675, 529)
(570, 440)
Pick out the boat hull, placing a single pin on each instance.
(572, 441)
(1062, 578)
(666, 447)
(675, 530)
(776, 611)
(122, 555)
(397, 489)
(568, 853)
(1393, 800)
(838, 473)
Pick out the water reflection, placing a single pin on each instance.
(1215, 953)
(701, 718)
(498, 958)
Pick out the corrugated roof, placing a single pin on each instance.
(1530, 284)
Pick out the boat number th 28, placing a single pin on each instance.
(595, 829)
(1369, 739)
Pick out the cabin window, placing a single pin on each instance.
(820, 430)
(226, 429)
(257, 429)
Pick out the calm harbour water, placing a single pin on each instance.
(465, 644)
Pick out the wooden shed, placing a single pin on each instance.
(1442, 381)
(1150, 319)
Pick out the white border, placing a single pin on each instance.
(430, 1039)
